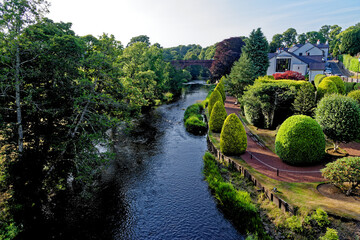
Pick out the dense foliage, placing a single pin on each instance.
(217, 117)
(300, 141)
(338, 82)
(214, 97)
(233, 138)
(193, 120)
(272, 99)
(326, 87)
(220, 87)
(289, 75)
(227, 52)
(351, 63)
(305, 100)
(318, 78)
(344, 173)
(355, 95)
(339, 117)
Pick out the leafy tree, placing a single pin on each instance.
(233, 139)
(305, 101)
(302, 38)
(325, 31)
(257, 49)
(227, 52)
(350, 41)
(276, 42)
(300, 141)
(141, 38)
(343, 171)
(242, 74)
(314, 36)
(339, 117)
(217, 117)
(289, 37)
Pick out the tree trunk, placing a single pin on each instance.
(336, 146)
(18, 101)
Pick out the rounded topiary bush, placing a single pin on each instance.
(300, 141)
(318, 78)
(326, 87)
(338, 82)
(221, 89)
(233, 139)
(217, 117)
(214, 97)
(355, 95)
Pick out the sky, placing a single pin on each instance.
(205, 22)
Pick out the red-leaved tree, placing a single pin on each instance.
(289, 75)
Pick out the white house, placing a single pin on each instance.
(303, 58)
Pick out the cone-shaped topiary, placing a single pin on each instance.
(355, 94)
(214, 97)
(338, 82)
(300, 141)
(221, 89)
(326, 87)
(318, 78)
(233, 139)
(217, 117)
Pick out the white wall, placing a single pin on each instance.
(313, 73)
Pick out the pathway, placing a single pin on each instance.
(267, 162)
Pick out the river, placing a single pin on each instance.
(155, 189)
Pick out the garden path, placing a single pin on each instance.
(267, 162)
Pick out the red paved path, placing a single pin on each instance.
(271, 161)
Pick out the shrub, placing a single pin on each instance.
(357, 86)
(305, 101)
(338, 82)
(343, 170)
(233, 139)
(294, 223)
(300, 141)
(355, 95)
(195, 125)
(339, 118)
(221, 89)
(331, 234)
(289, 75)
(218, 116)
(194, 109)
(214, 97)
(253, 114)
(326, 87)
(349, 86)
(318, 78)
(321, 217)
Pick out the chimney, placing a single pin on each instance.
(307, 40)
(327, 42)
(318, 42)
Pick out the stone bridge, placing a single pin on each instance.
(179, 64)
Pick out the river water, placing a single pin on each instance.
(155, 189)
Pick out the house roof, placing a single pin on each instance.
(314, 62)
(317, 66)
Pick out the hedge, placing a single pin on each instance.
(318, 78)
(253, 114)
(214, 97)
(355, 94)
(338, 82)
(300, 141)
(326, 87)
(287, 82)
(217, 117)
(351, 63)
(233, 139)
(221, 89)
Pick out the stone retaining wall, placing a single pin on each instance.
(269, 193)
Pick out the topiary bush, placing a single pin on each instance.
(221, 89)
(339, 118)
(355, 94)
(318, 78)
(214, 97)
(233, 139)
(349, 86)
(338, 82)
(300, 141)
(217, 118)
(326, 87)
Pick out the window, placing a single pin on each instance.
(283, 64)
(300, 54)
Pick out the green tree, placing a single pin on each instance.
(141, 38)
(339, 117)
(242, 74)
(233, 139)
(214, 97)
(302, 38)
(343, 172)
(305, 101)
(257, 49)
(217, 118)
(276, 42)
(325, 31)
(289, 37)
(350, 39)
(314, 36)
